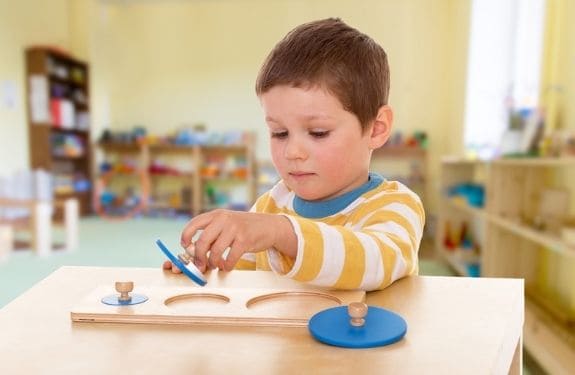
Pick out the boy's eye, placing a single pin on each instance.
(319, 134)
(279, 135)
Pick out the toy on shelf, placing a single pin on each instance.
(418, 139)
(473, 194)
(462, 248)
(160, 168)
(113, 206)
(135, 136)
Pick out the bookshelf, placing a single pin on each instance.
(57, 88)
(191, 179)
(522, 238)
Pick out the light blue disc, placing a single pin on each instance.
(333, 327)
(113, 299)
(189, 270)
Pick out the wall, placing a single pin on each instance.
(173, 63)
(567, 73)
(177, 63)
(23, 23)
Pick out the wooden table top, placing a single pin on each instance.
(455, 325)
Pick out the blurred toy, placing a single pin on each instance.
(110, 205)
(474, 194)
(136, 135)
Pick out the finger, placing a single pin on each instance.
(167, 265)
(205, 243)
(234, 255)
(190, 229)
(175, 269)
(219, 247)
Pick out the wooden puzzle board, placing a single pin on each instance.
(214, 306)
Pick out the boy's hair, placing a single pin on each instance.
(330, 54)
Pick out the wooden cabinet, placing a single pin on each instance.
(190, 179)
(521, 228)
(57, 88)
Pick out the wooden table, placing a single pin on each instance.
(455, 325)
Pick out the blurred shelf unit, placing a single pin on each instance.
(524, 228)
(404, 163)
(460, 230)
(59, 122)
(187, 179)
(267, 176)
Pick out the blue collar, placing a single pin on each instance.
(318, 209)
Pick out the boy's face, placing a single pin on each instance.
(317, 146)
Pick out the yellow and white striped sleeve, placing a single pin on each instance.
(375, 245)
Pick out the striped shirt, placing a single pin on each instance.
(365, 239)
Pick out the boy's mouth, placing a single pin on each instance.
(300, 175)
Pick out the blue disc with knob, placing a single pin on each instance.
(189, 269)
(381, 327)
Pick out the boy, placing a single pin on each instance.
(329, 221)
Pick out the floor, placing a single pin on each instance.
(131, 244)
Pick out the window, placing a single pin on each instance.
(504, 68)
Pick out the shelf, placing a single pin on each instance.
(225, 179)
(210, 207)
(69, 157)
(224, 149)
(66, 81)
(525, 162)
(119, 147)
(60, 74)
(513, 248)
(536, 162)
(400, 152)
(549, 241)
(465, 207)
(71, 194)
(166, 206)
(167, 147)
(462, 161)
(195, 156)
(558, 310)
(111, 173)
(69, 130)
(457, 264)
(183, 175)
(455, 261)
(551, 343)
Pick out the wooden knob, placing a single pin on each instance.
(188, 255)
(357, 312)
(124, 288)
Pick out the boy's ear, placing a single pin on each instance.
(381, 128)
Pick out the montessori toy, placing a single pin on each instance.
(184, 262)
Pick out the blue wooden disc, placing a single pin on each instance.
(189, 269)
(114, 300)
(333, 327)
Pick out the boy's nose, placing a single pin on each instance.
(294, 150)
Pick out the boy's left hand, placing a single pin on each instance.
(240, 231)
